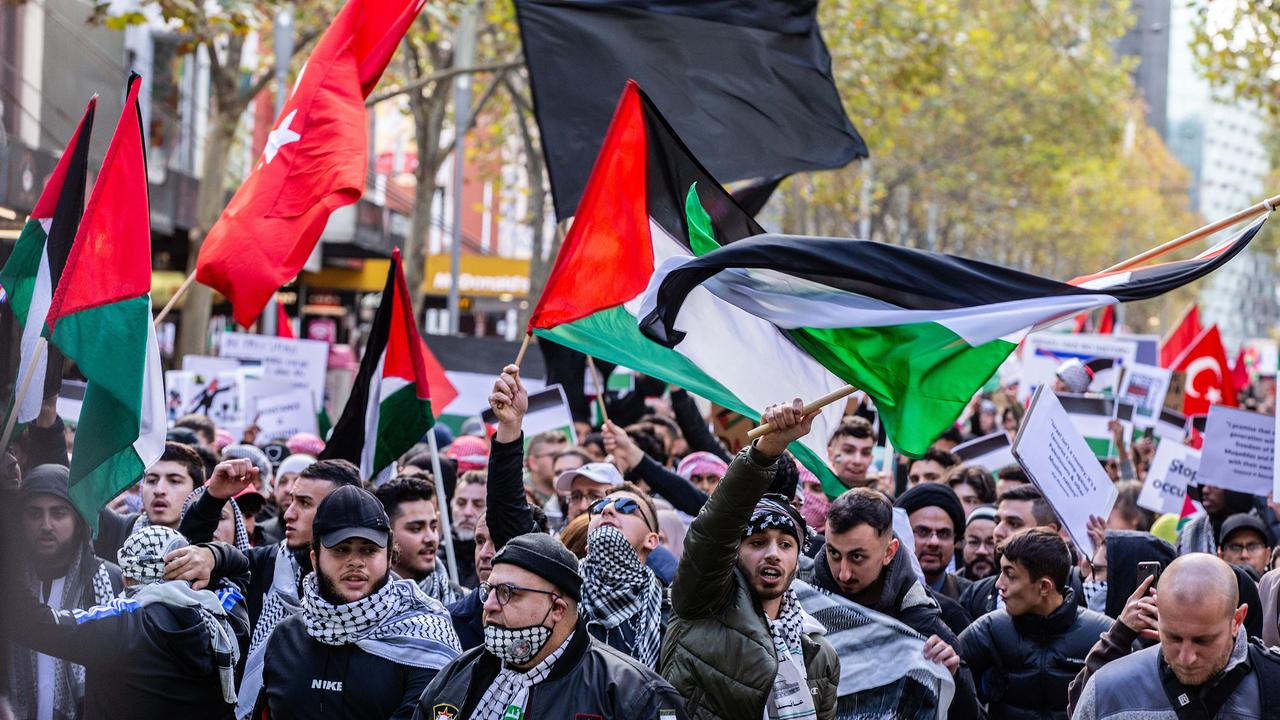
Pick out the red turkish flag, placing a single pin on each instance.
(1180, 337)
(1208, 375)
(314, 161)
(1240, 372)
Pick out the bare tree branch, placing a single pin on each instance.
(440, 75)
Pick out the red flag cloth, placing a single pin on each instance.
(442, 391)
(1240, 372)
(1180, 337)
(314, 162)
(1207, 379)
(1082, 323)
(1107, 325)
(284, 328)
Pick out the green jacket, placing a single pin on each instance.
(718, 652)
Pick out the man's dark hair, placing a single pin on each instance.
(473, 477)
(1013, 472)
(649, 443)
(403, 489)
(942, 457)
(209, 458)
(651, 511)
(1039, 506)
(338, 472)
(1127, 492)
(188, 458)
(665, 422)
(594, 439)
(854, 427)
(976, 477)
(1042, 552)
(860, 506)
(201, 425)
(952, 435)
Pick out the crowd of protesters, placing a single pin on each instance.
(644, 572)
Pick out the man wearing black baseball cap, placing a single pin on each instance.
(1245, 541)
(366, 642)
(538, 660)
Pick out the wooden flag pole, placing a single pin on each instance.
(36, 354)
(1268, 205)
(177, 295)
(524, 347)
(595, 380)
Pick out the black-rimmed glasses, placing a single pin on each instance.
(506, 591)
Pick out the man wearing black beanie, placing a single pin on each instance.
(538, 660)
(937, 519)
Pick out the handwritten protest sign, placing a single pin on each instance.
(282, 416)
(1239, 449)
(1172, 469)
(300, 363)
(1064, 468)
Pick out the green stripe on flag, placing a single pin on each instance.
(403, 418)
(1101, 447)
(20, 271)
(921, 375)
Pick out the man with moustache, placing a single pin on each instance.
(365, 644)
(936, 517)
(1204, 666)
(979, 544)
(415, 530)
(738, 644)
(276, 571)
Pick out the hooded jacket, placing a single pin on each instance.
(1024, 664)
(590, 680)
(905, 599)
(718, 652)
(1125, 549)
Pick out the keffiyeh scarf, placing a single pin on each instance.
(397, 623)
(242, 534)
(618, 588)
(511, 688)
(280, 602)
(790, 697)
(213, 608)
(437, 585)
(87, 583)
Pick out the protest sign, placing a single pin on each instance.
(208, 364)
(1092, 416)
(1043, 352)
(1145, 386)
(1148, 347)
(1171, 425)
(1239, 448)
(1061, 464)
(284, 415)
(548, 410)
(1172, 469)
(70, 398)
(219, 396)
(299, 363)
(992, 451)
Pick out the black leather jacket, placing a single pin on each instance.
(590, 679)
(1024, 664)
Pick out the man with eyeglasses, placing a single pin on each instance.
(538, 659)
(935, 514)
(979, 544)
(1244, 541)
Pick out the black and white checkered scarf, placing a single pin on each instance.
(87, 583)
(437, 585)
(398, 623)
(280, 602)
(511, 687)
(618, 588)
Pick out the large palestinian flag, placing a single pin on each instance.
(35, 267)
(919, 331)
(100, 317)
(390, 405)
(630, 219)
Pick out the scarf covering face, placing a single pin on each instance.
(142, 554)
(87, 583)
(617, 588)
(790, 697)
(280, 602)
(397, 623)
(510, 690)
(437, 585)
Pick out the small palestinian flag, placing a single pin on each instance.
(34, 268)
(630, 219)
(100, 318)
(1189, 511)
(390, 405)
(918, 331)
